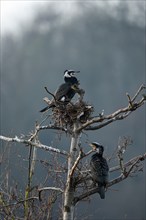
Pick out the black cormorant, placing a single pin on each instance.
(99, 168)
(66, 91)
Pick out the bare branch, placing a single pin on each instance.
(88, 153)
(46, 127)
(52, 126)
(101, 125)
(117, 115)
(130, 162)
(96, 190)
(80, 156)
(75, 164)
(39, 145)
(49, 188)
(127, 164)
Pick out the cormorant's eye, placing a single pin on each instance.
(72, 74)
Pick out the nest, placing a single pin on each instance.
(66, 115)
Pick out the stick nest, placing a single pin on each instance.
(66, 115)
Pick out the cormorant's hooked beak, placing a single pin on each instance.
(73, 72)
(93, 146)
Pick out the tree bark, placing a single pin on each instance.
(68, 210)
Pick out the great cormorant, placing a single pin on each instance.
(66, 91)
(99, 168)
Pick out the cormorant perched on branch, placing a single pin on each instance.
(99, 168)
(66, 91)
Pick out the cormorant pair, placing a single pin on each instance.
(98, 164)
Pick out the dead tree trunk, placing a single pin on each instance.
(68, 210)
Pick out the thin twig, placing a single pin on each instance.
(129, 100)
(138, 92)
(19, 202)
(127, 164)
(50, 92)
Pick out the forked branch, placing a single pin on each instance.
(80, 156)
(117, 115)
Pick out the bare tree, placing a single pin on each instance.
(73, 119)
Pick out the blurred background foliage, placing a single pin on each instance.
(108, 47)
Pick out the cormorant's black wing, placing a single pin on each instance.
(63, 91)
(99, 165)
(99, 172)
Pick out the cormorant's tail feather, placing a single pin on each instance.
(45, 109)
(102, 192)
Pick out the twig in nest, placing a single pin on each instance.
(50, 92)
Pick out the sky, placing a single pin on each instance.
(15, 13)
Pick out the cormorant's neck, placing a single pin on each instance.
(72, 80)
(98, 155)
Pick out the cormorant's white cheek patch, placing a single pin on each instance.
(62, 99)
(67, 74)
(97, 150)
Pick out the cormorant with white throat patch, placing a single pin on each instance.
(66, 91)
